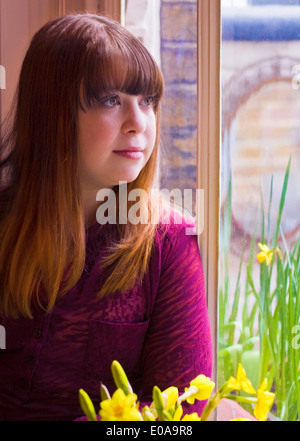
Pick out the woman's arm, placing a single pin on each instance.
(178, 343)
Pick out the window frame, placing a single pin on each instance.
(208, 152)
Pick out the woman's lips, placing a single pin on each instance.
(130, 153)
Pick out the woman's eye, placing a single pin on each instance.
(111, 101)
(148, 101)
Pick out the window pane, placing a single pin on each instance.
(179, 65)
(169, 31)
(258, 301)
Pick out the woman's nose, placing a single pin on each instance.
(134, 119)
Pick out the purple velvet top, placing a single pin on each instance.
(159, 332)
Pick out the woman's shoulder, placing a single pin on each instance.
(177, 248)
(177, 232)
(174, 222)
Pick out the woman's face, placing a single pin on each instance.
(116, 139)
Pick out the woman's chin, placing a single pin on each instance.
(128, 177)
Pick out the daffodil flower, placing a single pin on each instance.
(147, 414)
(241, 382)
(266, 254)
(120, 378)
(120, 407)
(87, 405)
(170, 397)
(200, 389)
(178, 413)
(192, 417)
(264, 403)
(167, 405)
(240, 419)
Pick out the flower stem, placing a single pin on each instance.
(211, 405)
(249, 400)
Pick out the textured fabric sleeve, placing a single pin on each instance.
(178, 343)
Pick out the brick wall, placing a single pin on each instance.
(261, 112)
(179, 65)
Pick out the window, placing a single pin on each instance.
(188, 49)
(247, 101)
(169, 30)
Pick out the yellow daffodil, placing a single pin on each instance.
(120, 378)
(264, 403)
(147, 414)
(240, 419)
(266, 254)
(240, 382)
(87, 406)
(200, 389)
(178, 413)
(192, 417)
(167, 405)
(170, 396)
(120, 408)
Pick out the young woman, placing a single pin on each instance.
(74, 294)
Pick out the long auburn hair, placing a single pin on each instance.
(71, 63)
